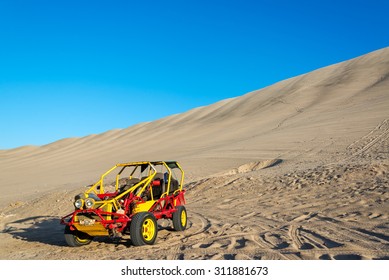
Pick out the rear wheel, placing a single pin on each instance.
(75, 238)
(180, 218)
(143, 229)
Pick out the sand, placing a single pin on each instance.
(297, 170)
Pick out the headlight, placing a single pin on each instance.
(89, 202)
(79, 203)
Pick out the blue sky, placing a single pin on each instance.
(73, 68)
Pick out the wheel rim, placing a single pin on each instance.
(148, 229)
(81, 240)
(183, 218)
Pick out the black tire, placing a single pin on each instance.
(143, 229)
(75, 238)
(180, 218)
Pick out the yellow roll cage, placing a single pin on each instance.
(98, 187)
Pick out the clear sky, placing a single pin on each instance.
(73, 68)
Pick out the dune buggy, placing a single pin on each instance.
(139, 194)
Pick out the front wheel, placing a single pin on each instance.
(75, 238)
(180, 218)
(143, 229)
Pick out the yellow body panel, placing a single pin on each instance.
(107, 207)
(96, 229)
(143, 207)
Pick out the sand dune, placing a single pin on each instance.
(253, 166)
(297, 170)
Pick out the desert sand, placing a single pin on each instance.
(296, 170)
